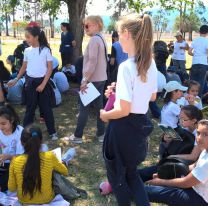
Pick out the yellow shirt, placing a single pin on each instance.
(49, 162)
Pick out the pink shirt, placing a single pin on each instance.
(94, 64)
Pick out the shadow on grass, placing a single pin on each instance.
(87, 170)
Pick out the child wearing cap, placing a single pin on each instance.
(171, 110)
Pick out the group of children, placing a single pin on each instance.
(125, 142)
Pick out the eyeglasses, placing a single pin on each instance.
(183, 120)
(87, 26)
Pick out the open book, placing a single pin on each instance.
(170, 132)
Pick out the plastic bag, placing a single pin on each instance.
(64, 187)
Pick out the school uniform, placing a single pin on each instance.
(173, 196)
(37, 59)
(66, 48)
(9, 144)
(125, 142)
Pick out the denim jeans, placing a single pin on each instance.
(180, 65)
(174, 196)
(146, 173)
(198, 73)
(84, 111)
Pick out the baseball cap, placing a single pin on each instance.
(178, 33)
(172, 86)
(55, 63)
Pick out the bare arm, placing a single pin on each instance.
(185, 182)
(74, 43)
(194, 155)
(153, 97)
(41, 87)
(116, 113)
(190, 51)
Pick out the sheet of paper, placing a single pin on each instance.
(91, 94)
(57, 152)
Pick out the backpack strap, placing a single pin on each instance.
(106, 53)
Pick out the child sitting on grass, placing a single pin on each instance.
(30, 174)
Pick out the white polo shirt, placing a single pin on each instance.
(130, 88)
(201, 174)
(37, 61)
(200, 47)
(179, 54)
(169, 114)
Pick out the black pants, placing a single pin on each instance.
(66, 58)
(42, 99)
(124, 148)
(4, 177)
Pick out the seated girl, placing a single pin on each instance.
(191, 97)
(171, 110)
(10, 144)
(189, 117)
(30, 174)
(191, 189)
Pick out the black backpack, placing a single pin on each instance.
(172, 167)
(180, 147)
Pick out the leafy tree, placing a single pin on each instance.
(52, 7)
(160, 22)
(111, 26)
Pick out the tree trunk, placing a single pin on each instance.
(76, 10)
(14, 30)
(190, 34)
(51, 21)
(7, 27)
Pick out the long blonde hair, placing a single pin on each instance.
(141, 31)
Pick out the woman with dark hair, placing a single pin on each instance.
(30, 174)
(67, 45)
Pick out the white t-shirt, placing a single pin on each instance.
(179, 54)
(130, 88)
(37, 61)
(201, 174)
(161, 80)
(169, 114)
(200, 47)
(11, 144)
(61, 81)
(183, 102)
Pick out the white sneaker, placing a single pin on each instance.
(54, 136)
(73, 139)
(68, 156)
(101, 138)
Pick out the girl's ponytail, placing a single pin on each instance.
(31, 139)
(143, 42)
(43, 40)
(141, 31)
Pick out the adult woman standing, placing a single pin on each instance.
(125, 142)
(67, 45)
(94, 70)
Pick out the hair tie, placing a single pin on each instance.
(34, 134)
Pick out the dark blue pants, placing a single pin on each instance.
(146, 173)
(42, 99)
(198, 73)
(174, 196)
(84, 111)
(124, 148)
(4, 177)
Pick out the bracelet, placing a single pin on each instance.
(16, 79)
(84, 79)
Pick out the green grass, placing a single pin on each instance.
(87, 169)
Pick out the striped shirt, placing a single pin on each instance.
(49, 162)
